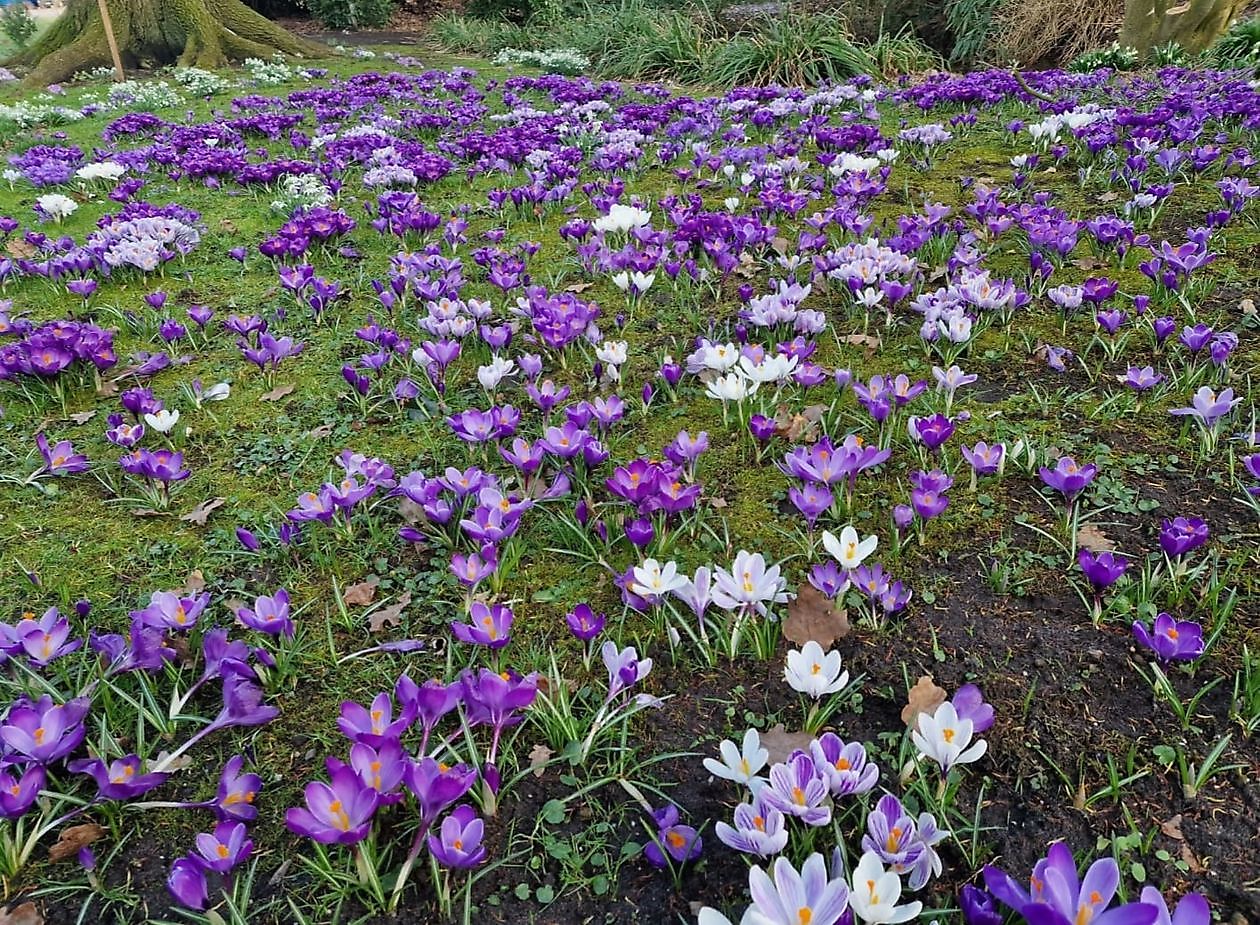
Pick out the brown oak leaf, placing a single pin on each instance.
(539, 755)
(195, 582)
(278, 392)
(73, 839)
(812, 616)
(362, 593)
(385, 617)
(82, 417)
(25, 914)
(1094, 539)
(924, 697)
(780, 743)
(201, 513)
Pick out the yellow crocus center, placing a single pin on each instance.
(804, 915)
(948, 735)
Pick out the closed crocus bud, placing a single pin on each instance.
(761, 427)
(746, 292)
(640, 532)
(647, 394)
(903, 517)
(248, 540)
(491, 775)
(843, 377)
(412, 535)
(582, 512)
(601, 530)
(671, 373)
(87, 859)
(1141, 303)
(83, 607)
(978, 907)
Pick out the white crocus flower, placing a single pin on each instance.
(849, 550)
(217, 392)
(731, 387)
(739, 764)
(813, 672)
(652, 579)
(720, 357)
(642, 282)
(944, 737)
(621, 280)
(773, 368)
(613, 352)
(164, 421)
(731, 203)
(494, 372)
(875, 892)
(56, 206)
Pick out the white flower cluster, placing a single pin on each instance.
(107, 171)
(56, 206)
(553, 60)
(141, 96)
(301, 191)
(200, 82)
(28, 115)
(268, 73)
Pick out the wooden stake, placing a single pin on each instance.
(113, 42)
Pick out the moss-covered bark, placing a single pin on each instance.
(201, 33)
(1192, 24)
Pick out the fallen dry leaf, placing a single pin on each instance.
(781, 245)
(578, 288)
(20, 247)
(107, 388)
(812, 616)
(320, 432)
(1248, 306)
(1191, 861)
(278, 392)
(179, 764)
(149, 512)
(780, 743)
(924, 697)
(25, 914)
(73, 839)
(795, 426)
(82, 417)
(195, 582)
(1172, 828)
(201, 513)
(386, 617)
(539, 755)
(869, 341)
(718, 501)
(410, 512)
(362, 593)
(1093, 539)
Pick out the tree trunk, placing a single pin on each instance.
(1192, 24)
(192, 33)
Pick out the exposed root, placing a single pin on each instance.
(82, 54)
(252, 27)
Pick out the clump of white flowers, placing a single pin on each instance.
(106, 171)
(301, 191)
(200, 82)
(28, 115)
(552, 60)
(268, 73)
(56, 206)
(142, 96)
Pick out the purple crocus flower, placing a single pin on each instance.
(1068, 477)
(226, 848)
(458, 842)
(1171, 640)
(932, 431)
(167, 610)
(1102, 569)
(1058, 897)
(234, 798)
(978, 907)
(18, 795)
(44, 732)
(905, 845)
(376, 725)
(759, 829)
(381, 769)
(60, 459)
(797, 789)
(1192, 910)
(844, 766)
(269, 614)
(120, 779)
(1208, 407)
(336, 813)
(437, 786)
(488, 625)
(1182, 535)
(681, 842)
(187, 883)
(625, 668)
(430, 701)
(969, 704)
(43, 640)
(1141, 378)
(983, 458)
(584, 623)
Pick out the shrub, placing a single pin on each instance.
(1237, 48)
(18, 24)
(351, 14)
(1113, 56)
(903, 53)
(1036, 32)
(487, 37)
(792, 49)
(971, 22)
